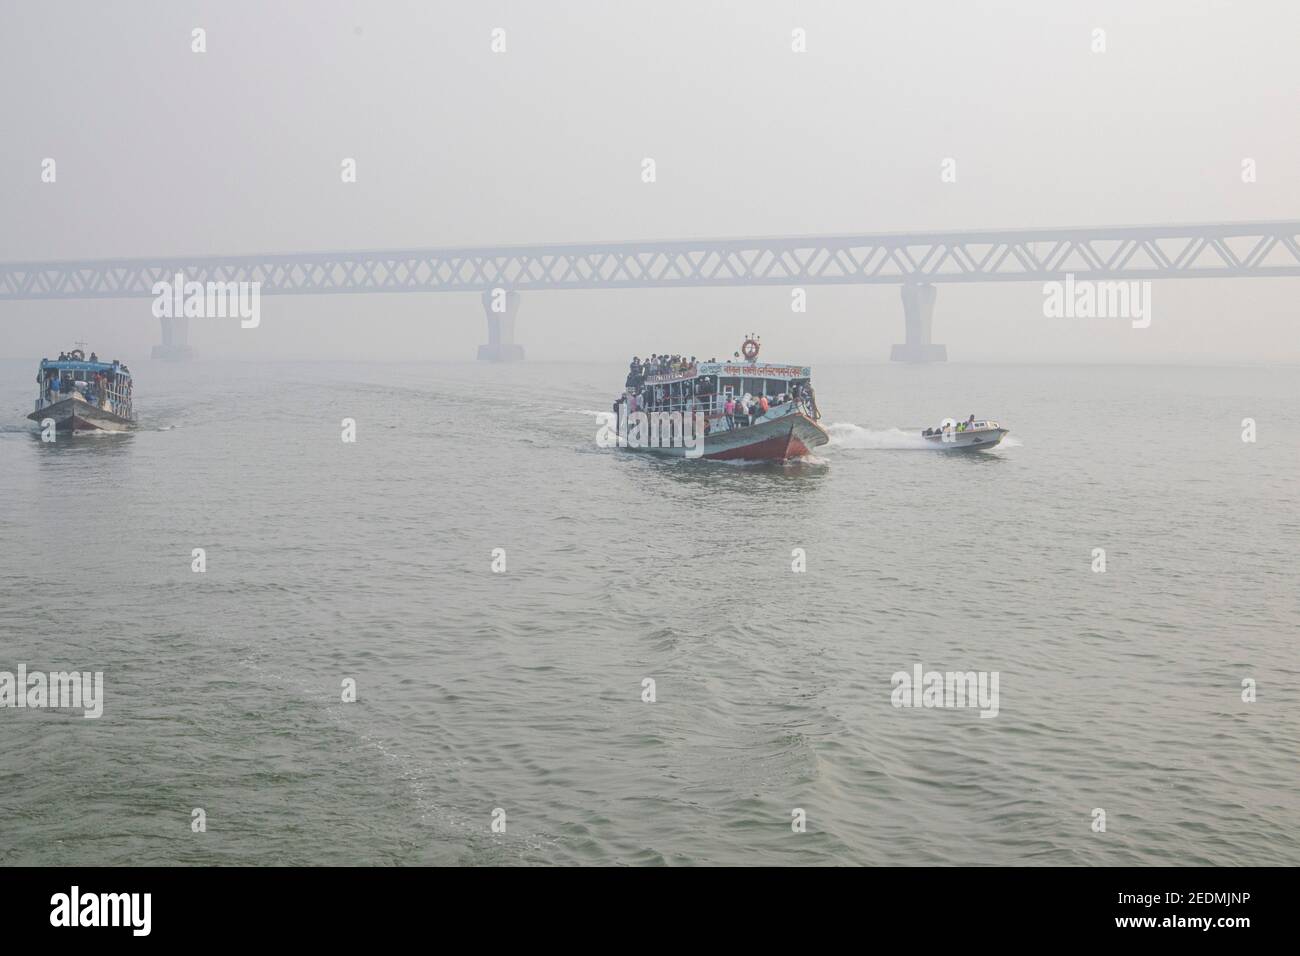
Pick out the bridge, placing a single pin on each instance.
(916, 261)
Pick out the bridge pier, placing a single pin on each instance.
(501, 345)
(175, 345)
(918, 315)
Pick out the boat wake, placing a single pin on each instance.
(789, 463)
(848, 435)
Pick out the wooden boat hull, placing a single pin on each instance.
(778, 439)
(74, 414)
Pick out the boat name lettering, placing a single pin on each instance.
(755, 371)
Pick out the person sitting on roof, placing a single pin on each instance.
(94, 357)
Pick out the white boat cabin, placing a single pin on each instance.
(768, 390)
(105, 385)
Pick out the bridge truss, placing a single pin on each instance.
(1224, 250)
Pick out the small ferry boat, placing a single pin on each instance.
(84, 395)
(750, 410)
(970, 434)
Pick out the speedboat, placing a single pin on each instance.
(963, 436)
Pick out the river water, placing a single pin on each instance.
(518, 695)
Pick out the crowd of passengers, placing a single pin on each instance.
(701, 395)
(967, 425)
(746, 409)
(58, 384)
(640, 369)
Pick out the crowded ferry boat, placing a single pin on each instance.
(81, 394)
(747, 410)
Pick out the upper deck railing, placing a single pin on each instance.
(677, 375)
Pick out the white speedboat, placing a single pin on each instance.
(963, 436)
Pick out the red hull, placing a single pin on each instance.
(778, 439)
(779, 448)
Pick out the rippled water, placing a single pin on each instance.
(522, 690)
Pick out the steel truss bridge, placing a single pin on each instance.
(917, 261)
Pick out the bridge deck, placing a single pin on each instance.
(1207, 250)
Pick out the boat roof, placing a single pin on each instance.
(71, 365)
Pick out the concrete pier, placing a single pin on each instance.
(918, 314)
(501, 345)
(175, 345)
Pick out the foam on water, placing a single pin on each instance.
(848, 435)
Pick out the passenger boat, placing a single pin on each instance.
(782, 424)
(966, 435)
(84, 395)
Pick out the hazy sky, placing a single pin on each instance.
(237, 150)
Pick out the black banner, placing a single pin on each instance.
(947, 905)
